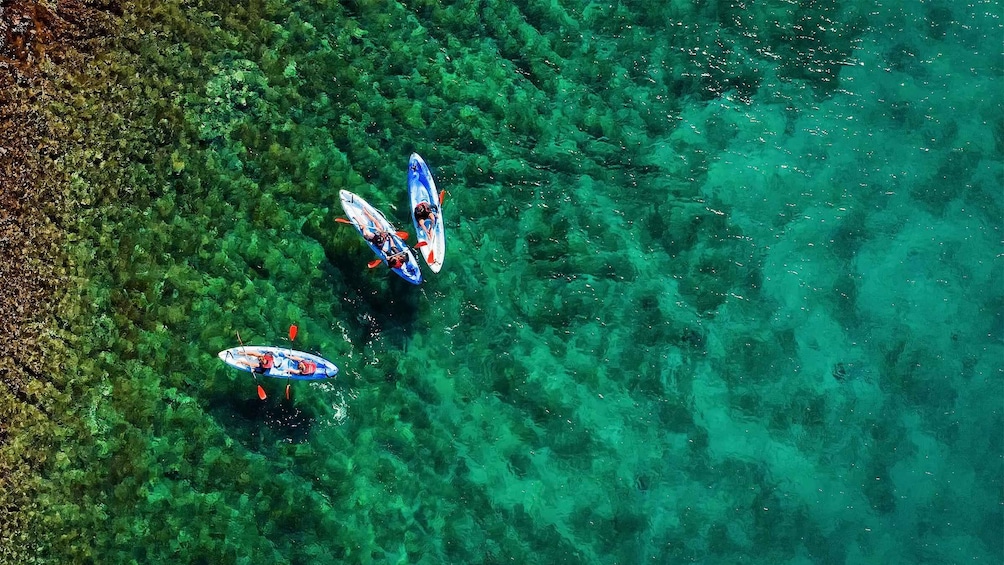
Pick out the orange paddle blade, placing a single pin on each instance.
(373, 263)
(403, 235)
(287, 392)
(292, 332)
(344, 221)
(432, 257)
(421, 244)
(442, 197)
(261, 392)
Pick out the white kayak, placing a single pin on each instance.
(422, 191)
(394, 252)
(285, 364)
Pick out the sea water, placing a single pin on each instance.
(722, 285)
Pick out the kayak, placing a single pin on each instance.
(284, 363)
(422, 188)
(369, 220)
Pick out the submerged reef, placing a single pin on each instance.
(39, 43)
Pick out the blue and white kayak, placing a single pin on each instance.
(286, 363)
(422, 189)
(368, 221)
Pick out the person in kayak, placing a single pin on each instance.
(266, 361)
(304, 367)
(375, 236)
(396, 261)
(424, 213)
(379, 239)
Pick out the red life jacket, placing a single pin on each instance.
(267, 361)
(309, 367)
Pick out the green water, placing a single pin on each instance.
(722, 285)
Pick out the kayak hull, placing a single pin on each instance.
(422, 188)
(285, 361)
(365, 217)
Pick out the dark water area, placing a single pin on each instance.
(723, 284)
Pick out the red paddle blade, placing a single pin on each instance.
(292, 332)
(373, 263)
(287, 392)
(421, 244)
(442, 197)
(432, 256)
(261, 392)
(344, 221)
(403, 235)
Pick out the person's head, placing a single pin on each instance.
(395, 262)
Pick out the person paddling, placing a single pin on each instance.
(424, 213)
(379, 239)
(266, 361)
(396, 261)
(304, 367)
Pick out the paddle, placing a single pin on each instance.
(432, 254)
(345, 221)
(292, 336)
(261, 391)
(442, 197)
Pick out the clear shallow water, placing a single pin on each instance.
(723, 284)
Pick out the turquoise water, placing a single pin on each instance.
(723, 285)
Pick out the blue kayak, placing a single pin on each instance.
(286, 363)
(422, 191)
(394, 252)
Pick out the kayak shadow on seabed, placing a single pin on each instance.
(259, 424)
(385, 307)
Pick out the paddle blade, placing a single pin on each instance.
(344, 221)
(292, 332)
(373, 263)
(261, 392)
(442, 197)
(403, 235)
(432, 257)
(421, 244)
(287, 392)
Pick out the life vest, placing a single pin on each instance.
(267, 361)
(308, 367)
